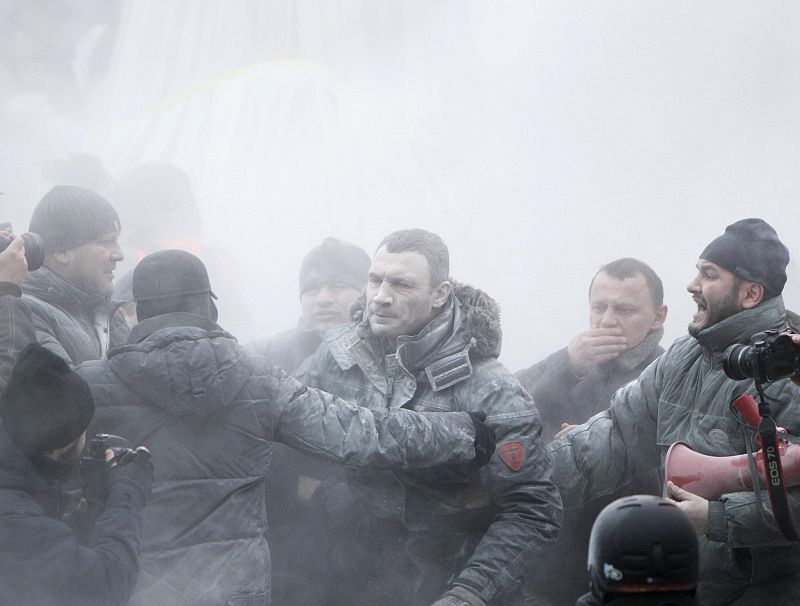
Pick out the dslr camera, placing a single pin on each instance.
(772, 356)
(34, 247)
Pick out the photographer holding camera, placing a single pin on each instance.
(685, 396)
(45, 411)
(16, 325)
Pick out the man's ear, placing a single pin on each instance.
(660, 318)
(441, 293)
(59, 258)
(751, 294)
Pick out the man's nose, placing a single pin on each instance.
(608, 319)
(694, 286)
(324, 296)
(382, 295)
(117, 254)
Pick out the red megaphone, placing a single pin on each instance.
(712, 477)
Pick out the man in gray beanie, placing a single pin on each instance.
(685, 396)
(70, 295)
(332, 276)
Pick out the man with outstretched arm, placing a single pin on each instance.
(685, 396)
(210, 410)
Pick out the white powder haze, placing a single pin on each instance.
(540, 140)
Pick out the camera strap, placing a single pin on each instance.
(773, 469)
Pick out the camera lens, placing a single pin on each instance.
(738, 362)
(34, 249)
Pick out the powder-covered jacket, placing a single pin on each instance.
(685, 396)
(207, 409)
(71, 322)
(506, 512)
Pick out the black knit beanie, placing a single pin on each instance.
(69, 216)
(46, 405)
(750, 249)
(334, 261)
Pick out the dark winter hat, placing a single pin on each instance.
(69, 216)
(169, 273)
(46, 405)
(750, 248)
(334, 261)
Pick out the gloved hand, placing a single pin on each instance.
(459, 596)
(132, 476)
(484, 438)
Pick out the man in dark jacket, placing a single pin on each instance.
(449, 536)
(209, 409)
(16, 325)
(332, 276)
(685, 396)
(626, 322)
(45, 411)
(70, 295)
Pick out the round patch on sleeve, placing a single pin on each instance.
(512, 454)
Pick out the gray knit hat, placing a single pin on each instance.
(334, 261)
(751, 249)
(45, 405)
(69, 216)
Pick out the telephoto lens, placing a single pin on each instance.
(34, 247)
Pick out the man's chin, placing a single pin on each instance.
(695, 328)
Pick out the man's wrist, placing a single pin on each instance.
(461, 596)
(10, 288)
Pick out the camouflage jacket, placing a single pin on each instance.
(506, 512)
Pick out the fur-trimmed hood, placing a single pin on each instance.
(481, 318)
(469, 315)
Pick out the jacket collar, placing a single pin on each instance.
(739, 328)
(47, 285)
(635, 356)
(148, 327)
(442, 336)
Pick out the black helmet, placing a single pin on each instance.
(643, 544)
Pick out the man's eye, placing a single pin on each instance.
(374, 281)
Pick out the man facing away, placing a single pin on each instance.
(209, 410)
(626, 323)
(685, 396)
(45, 412)
(70, 295)
(448, 536)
